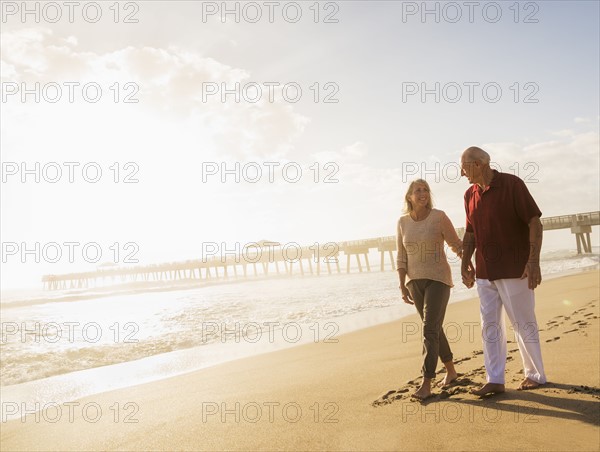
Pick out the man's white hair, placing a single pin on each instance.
(477, 154)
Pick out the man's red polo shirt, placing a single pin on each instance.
(499, 217)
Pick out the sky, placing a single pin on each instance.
(367, 98)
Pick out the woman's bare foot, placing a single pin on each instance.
(424, 391)
(451, 375)
(448, 379)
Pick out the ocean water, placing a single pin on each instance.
(126, 338)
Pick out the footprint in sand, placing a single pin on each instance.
(478, 371)
(446, 393)
(553, 339)
(389, 393)
(571, 331)
(389, 397)
(462, 359)
(462, 381)
(594, 392)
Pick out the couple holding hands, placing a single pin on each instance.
(504, 230)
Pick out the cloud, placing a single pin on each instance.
(562, 174)
(171, 83)
(173, 132)
(350, 154)
(38, 55)
(563, 133)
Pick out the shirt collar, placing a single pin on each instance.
(496, 182)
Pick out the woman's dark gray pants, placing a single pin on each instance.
(431, 298)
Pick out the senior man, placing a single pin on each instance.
(504, 230)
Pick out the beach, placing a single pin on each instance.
(353, 394)
(208, 209)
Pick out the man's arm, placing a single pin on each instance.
(467, 270)
(532, 269)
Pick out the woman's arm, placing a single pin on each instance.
(402, 265)
(450, 235)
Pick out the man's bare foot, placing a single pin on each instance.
(448, 379)
(528, 383)
(489, 388)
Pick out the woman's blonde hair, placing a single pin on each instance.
(408, 207)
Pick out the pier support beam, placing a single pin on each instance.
(583, 238)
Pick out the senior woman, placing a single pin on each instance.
(425, 278)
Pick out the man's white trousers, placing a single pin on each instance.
(519, 302)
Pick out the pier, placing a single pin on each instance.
(267, 258)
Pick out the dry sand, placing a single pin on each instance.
(354, 394)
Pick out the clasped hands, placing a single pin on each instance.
(532, 272)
